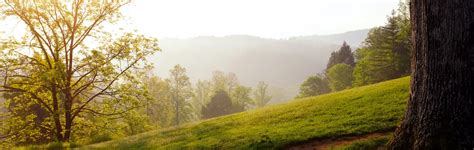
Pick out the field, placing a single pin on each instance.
(358, 111)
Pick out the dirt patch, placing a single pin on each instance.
(324, 144)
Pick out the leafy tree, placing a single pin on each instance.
(261, 95)
(181, 92)
(386, 51)
(238, 94)
(54, 67)
(202, 96)
(220, 105)
(221, 81)
(161, 106)
(241, 98)
(313, 86)
(340, 77)
(343, 55)
(230, 84)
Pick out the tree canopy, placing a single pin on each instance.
(68, 67)
(340, 77)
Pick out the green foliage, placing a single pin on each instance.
(340, 77)
(314, 86)
(181, 93)
(261, 95)
(221, 82)
(343, 55)
(49, 146)
(66, 77)
(220, 104)
(241, 98)
(357, 111)
(160, 108)
(202, 96)
(386, 51)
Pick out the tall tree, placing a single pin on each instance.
(385, 53)
(202, 95)
(261, 95)
(181, 92)
(343, 55)
(440, 111)
(241, 98)
(161, 106)
(53, 65)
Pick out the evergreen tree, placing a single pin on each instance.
(220, 105)
(343, 55)
(385, 53)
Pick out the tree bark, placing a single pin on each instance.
(440, 111)
(68, 114)
(56, 116)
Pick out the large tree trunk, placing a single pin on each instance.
(440, 111)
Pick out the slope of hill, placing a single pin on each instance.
(357, 111)
(283, 63)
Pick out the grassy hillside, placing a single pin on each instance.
(362, 110)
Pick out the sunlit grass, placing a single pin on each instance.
(362, 110)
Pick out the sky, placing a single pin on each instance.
(264, 18)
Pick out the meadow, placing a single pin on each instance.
(358, 111)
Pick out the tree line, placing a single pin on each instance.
(385, 54)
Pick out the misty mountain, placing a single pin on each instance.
(283, 63)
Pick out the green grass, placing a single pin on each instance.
(49, 146)
(357, 111)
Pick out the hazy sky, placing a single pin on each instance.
(264, 18)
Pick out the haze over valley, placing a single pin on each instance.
(282, 63)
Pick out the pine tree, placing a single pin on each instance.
(386, 52)
(343, 55)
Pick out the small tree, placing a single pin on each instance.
(340, 77)
(313, 86)
(220, 105)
